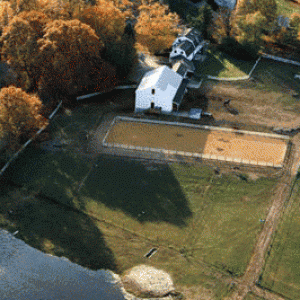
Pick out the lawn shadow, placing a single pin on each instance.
(211, 66)
(54, 229)
(57, 174)
(147, 192)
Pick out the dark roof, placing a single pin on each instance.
(187, 47)
(195, 36)
(180, 92)
(180, 68)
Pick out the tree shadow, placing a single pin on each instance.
(215, 63)
(146, 193)
(54, 229)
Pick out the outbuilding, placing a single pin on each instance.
(161, 88)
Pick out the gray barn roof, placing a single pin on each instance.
(181, 91)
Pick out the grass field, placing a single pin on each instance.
(287, 8)
(198, 221)
(222, 65)
(278, 80)
(251, 296)
(281, 273)
(276, 76)
(231, 145)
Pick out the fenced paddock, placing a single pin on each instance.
(196, 141)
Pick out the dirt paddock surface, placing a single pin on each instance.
(216, 144)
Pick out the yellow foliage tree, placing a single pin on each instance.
(255, 18)
(156, 27)
(107, 19)
(19, 45)
(19, 6)
(6, 14)
(20, 116)
(54, 9)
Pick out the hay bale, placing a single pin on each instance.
(147, 281)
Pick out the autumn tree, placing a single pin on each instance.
(6, 13)
(71, 55)
(19, 46)
(255, 18)
(19, 6)
(55, 9)
(108, 19)
(122, 54)
(156, 26)
(223, 24)
(20, 115)
(105, 18)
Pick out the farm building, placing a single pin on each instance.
(161, 88)
(189, 46)
(184, 68)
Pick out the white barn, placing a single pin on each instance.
(160, 88)
(189, 46)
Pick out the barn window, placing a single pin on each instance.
(153, 91)
(152, 104)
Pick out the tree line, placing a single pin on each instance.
(253, 25)
(60, 49)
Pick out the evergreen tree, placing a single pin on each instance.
(202, 21)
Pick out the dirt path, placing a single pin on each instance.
(281, 194)
(265, 294)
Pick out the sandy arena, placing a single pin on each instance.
(231, 145)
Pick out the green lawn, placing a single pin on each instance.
(276, 76)
(281, 273)
(286, 8)
(221, 65)
(278, 80)
(197, 220)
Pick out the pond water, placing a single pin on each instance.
(29, 274)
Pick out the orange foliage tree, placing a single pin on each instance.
(156, 27)
(255, 18)
(6, 13)
(108, 19)
(55, 9)
(289, 37)
(19, 46)
(71, 55)
(105, 18)
(20, 115)
(19, 6)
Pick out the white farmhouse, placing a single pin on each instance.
(161, 88)
(189, 46)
